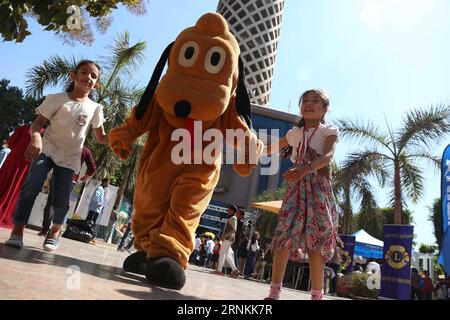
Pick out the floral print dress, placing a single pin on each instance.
(308, 219)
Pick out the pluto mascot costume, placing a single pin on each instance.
(204, 83)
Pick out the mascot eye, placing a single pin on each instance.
(215, 59)
(188, 54)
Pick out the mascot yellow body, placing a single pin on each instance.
(203, 84)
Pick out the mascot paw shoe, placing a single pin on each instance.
(165, 272)
(136, 263)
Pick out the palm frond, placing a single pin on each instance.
(52, 72)
(368, 200)
(412, 179)
(365, 163)
(421, 127)
(363, 132)
(123, 59)
(435, 161)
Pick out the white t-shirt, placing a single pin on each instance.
(295, 138)
(69, 123)
(198, 241)
(253, 247)
(210, 246)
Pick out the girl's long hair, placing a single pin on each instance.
(287, 151)
(71, 86)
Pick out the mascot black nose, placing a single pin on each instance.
(182, 108)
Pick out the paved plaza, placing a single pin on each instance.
(79, 270)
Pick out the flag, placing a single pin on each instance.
(444, 256)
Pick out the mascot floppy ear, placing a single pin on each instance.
(154, 80)
(242, 100)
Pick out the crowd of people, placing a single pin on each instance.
(235, 251)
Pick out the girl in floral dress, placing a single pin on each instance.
(308, 219)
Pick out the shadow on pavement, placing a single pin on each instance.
(33, 256)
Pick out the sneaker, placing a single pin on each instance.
(52, 244)
(15, 242)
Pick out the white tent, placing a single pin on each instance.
(367, 246)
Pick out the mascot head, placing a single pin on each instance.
(204, 76)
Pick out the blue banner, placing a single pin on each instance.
(347, 254)
(396, 269)
(444, 257)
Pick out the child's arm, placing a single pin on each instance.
(282, 143)
(100, 135)
(302, 170)
(34, 148)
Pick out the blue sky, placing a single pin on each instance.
(376, 58)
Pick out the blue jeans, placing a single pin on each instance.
(62, 186)
(249, 264)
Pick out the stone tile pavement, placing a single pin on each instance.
(81, 271)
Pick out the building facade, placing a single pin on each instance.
(256, 25)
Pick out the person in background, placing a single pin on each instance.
(416, 291)
(252, 248)
(228, 235)
(194, 254)
(428, 286)
(239, 233)
(242, 254)
(260, 263)
(209, 251)
(216, 251)
(97, 202)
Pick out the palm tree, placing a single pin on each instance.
(351, 182)
(115, 93)
(129, 168)
(398, 152)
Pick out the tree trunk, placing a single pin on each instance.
(347, 211)
(125, 178)
(397, 195)
(123, 184)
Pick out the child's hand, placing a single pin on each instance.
(297, 173)
(34, 148)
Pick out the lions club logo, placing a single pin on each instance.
(397, 257)
(345, 259)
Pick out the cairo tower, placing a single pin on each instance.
(256, 25)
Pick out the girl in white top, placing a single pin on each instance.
(308, 218)
(69, 116)
(252, 247)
